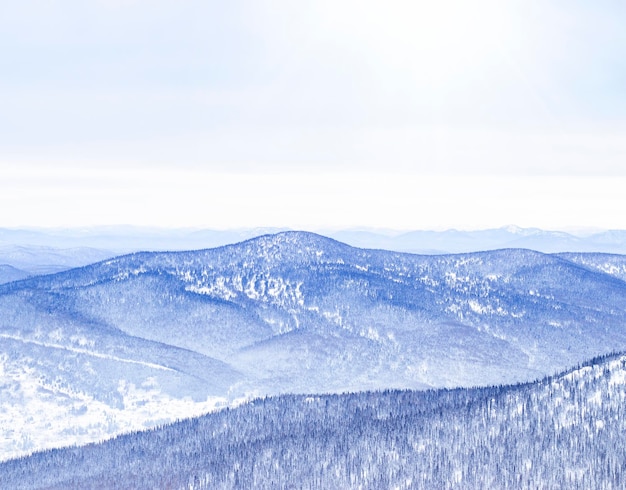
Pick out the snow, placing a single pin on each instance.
(57, 417)
(217, 289)
(84, 351)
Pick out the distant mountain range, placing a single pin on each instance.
(144, 338)
(41, 251)
(30, 260)
(458, 241)
(561, 432)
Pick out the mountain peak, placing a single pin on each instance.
(282, 245)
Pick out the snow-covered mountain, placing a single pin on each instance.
(149, 337)
(127, 239)
(34, 252)
(564, 431)
(38, 259)
(463, 241)
(9, 273)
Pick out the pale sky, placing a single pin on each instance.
(313, 114)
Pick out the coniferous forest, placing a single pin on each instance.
(564, 431)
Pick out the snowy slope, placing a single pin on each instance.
(564, 431)
(9, 273)
(614, 265)
(296, 313)
(67, 379)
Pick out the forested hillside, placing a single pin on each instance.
(565, 431)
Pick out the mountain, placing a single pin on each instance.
(36, 259)
(127, 239)
(115, 343)
(564, 431)
(463, 241)
(9, 273)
